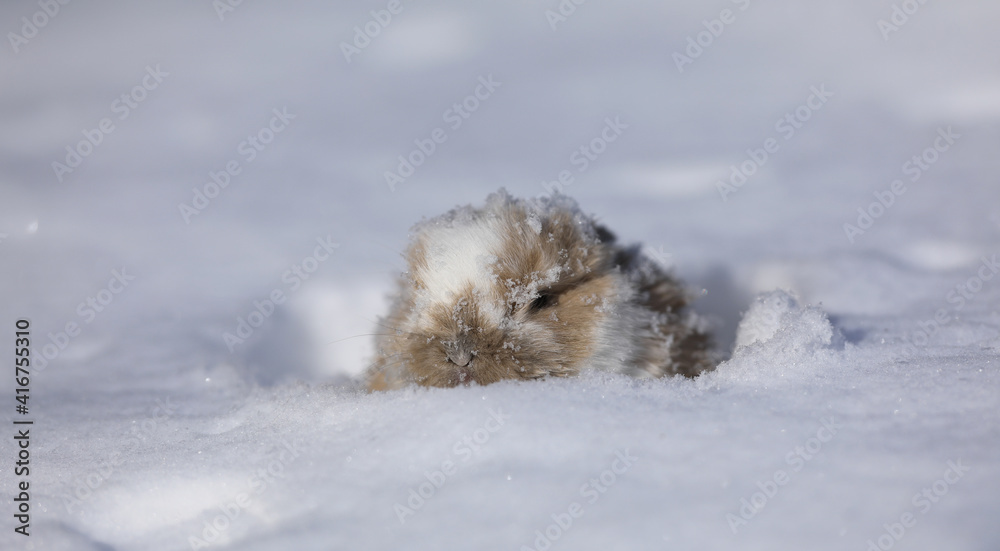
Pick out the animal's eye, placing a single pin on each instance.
(544, 300)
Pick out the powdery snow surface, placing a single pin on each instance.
(195, 343)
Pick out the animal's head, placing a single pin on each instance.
(514, 290)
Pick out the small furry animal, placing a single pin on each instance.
(529, 288)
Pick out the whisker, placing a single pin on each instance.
(394, 362)
(388, 248)
(395, 329)
(362, 335)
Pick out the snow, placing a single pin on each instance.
(859, 404)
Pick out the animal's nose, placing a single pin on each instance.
(460, 357)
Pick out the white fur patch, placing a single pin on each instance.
(458, 257)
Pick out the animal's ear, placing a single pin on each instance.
(604, 234)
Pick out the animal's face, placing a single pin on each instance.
(507, 294)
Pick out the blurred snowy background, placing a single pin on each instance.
(156, 431)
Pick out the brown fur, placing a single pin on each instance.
(550, 335)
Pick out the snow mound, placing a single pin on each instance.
(779, 312)
(778, 337)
